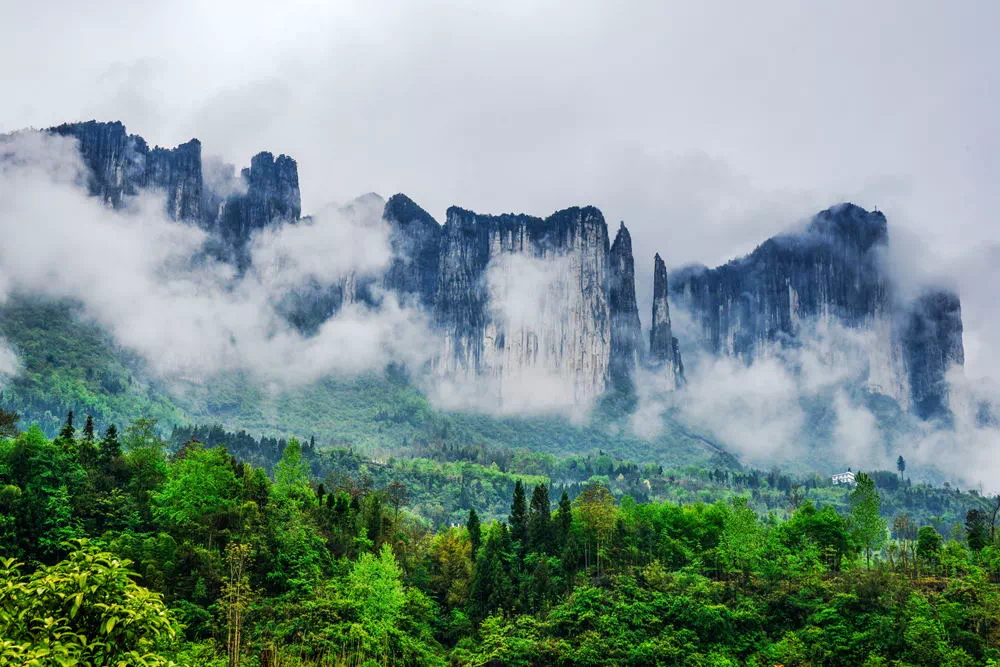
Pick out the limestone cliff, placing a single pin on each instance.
(520, 298)
(121, 164)
(832, 271)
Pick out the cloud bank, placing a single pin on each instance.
(811, 403)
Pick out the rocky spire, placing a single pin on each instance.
(664, 352)
(626, 330)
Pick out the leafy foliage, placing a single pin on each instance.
(344, 559)
(83, 610)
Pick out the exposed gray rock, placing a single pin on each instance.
(416, 245)
(832, 271)
(932, 342)
(626, 329)
(562, 332)
(664, 350)
(120, 164)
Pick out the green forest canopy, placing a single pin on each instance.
(120, 548)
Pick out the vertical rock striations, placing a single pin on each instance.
(525, 301)
(932, 344)
(831, 272)
(415, 237)
(271, 196)
(626, 330)
(664, 351)
(121, 164)
(178, 172)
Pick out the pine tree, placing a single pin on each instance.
(539, 520)
(88, 429)
(110, 447)
(493, 586)
(901, 465)
(564, 521)
(976, 530)
(68, 432)
(86, 451)
(519, 516)
(475, 532)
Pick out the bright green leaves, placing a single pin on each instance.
(85, 609)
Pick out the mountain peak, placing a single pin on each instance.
(851, 223)
(623, 240)
(404, 210)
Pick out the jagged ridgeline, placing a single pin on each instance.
(517, 300)
(210, 194)
(585, 333)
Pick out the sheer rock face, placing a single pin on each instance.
(830, 272)
(520, 298)
(626, 330)
(121, 164)
(664, 350)
(415, 238)
(932, 344)
(271, 197)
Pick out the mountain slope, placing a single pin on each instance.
(71, 364)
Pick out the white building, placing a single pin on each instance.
(843, 477)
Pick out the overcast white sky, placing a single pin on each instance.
(705, 126)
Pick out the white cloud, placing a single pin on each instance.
(133, 273)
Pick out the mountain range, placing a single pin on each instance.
(517, 301)
(587, 332)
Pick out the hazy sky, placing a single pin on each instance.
(705, 126)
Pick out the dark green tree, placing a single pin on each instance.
(929, 545)
(539, 521)
(68, 431)
(493, 587)
(373, 517)
(475, 532)
(901, 465)
(564, 521)
(8, 423)
(88, 429)
(519, 516)
(976, 531)
(110, 448)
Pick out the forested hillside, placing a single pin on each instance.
(122, 549)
